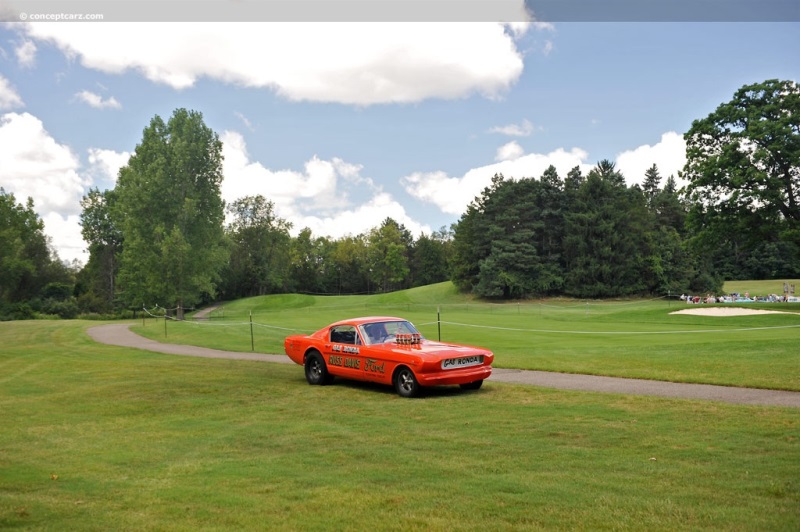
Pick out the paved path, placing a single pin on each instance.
(119, 334)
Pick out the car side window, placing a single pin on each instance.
(344, 334)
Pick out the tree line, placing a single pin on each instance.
(583, 236)
(160, 236)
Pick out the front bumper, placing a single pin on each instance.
(454, 376)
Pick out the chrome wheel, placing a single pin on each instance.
(316, 371)
(405, 383)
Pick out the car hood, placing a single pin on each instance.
(429, 348)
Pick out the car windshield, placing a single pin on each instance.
(385, 331)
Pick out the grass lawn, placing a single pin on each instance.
(104, 438)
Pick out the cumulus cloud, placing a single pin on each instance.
(359, 219)
(669, 155)
(105, 164)
(318, 197)
(509, 152)
(65, 232)
(34, 165)
(97, 101)
(244, 177)
(350, 63)
(453, 194)
(9, 99)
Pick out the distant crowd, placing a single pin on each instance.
(787, 297)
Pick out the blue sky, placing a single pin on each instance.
(342, 125)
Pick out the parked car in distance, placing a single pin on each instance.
(390, 351)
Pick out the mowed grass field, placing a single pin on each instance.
(98, 437)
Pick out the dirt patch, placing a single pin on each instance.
(727, 311)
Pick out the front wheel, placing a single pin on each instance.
(405, 383)
(474, 385)
(316, 370)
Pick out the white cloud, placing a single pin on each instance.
(26, 53)
(453, 194)
(97, 101)
(509, 152)
(318, 197)
(33, 164)
(105, 164)
(352, 63)
(9, 98)
(669, 155)
(359, 219)
(514, 130)
(65, 232)
(247, 178)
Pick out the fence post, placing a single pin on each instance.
(439, 321)
(252, 341)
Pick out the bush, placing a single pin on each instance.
(57, 291)
(16, 311)
(64, 309)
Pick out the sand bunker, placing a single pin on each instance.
(726, 311)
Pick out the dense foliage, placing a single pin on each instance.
(587, 236)
(265, 259)
(32, 279)
(160, 238)
(743, 168)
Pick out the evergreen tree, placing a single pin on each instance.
(650, 185)
(605, 238)
(471, 244)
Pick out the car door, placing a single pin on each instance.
(343, 352)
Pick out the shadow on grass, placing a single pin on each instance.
(428, 392)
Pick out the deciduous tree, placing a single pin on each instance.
(743, 169)
(171, 213)
(260, 243)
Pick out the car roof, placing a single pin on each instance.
(367, 319)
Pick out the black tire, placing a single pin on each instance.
(474, 385)
(405, 383)
(316, 370)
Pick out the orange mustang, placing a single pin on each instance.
(389, 351)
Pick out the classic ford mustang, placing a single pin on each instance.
(389, 351)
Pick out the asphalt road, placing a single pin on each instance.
(119, 334)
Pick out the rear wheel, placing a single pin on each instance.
(405, 383)
(316, 370)
(474, 385)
